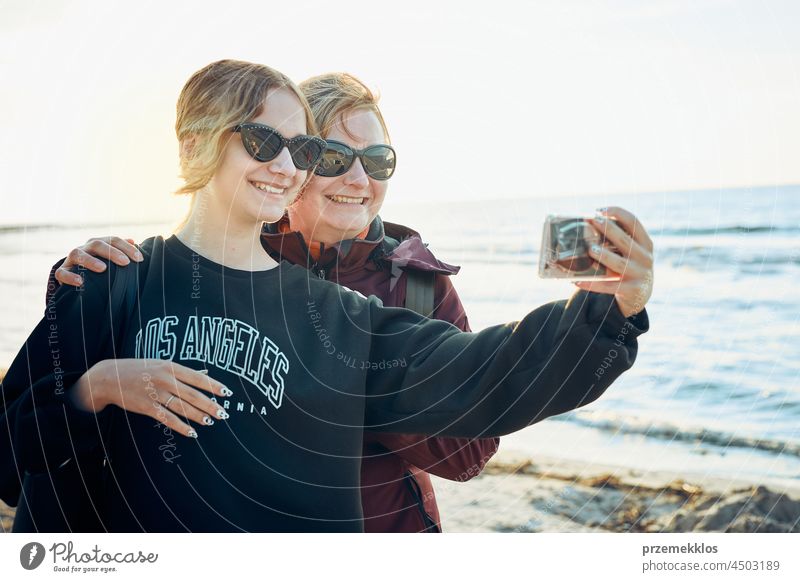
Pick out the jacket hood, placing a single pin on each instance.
(386, 244)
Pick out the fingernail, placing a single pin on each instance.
(203, 371)
(599, 219)
(124, 258)
(208, 420)
(226, 392)
(78, 280)
(595, 249)
(222, 414)
(138, 256)
(192, 433)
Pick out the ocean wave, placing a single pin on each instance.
(732, 229)
(726, 257)
(670, 432)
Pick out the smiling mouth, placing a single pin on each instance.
(345, 199)
(267, 188)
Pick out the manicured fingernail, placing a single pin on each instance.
(208, 420)
(192, 433)
(596, 249)
(226, 392)
(222, 414)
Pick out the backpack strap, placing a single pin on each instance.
(420, 285)
(419, 291)
(124, 290)
(122, 302)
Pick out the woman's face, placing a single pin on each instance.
(335, 209)
(253, 191)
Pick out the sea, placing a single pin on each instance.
(716, 385)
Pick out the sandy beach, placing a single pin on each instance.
(518, 494)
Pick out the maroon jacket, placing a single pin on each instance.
(396, 490)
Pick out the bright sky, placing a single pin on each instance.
(483, 99)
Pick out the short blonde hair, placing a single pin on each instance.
(215, 99)
(332, 95)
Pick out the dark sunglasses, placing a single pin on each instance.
(378, 160)
(264, 143)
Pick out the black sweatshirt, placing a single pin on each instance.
(311, 365)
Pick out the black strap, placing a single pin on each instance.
(122, 301)
(124, 290)
(419, 291)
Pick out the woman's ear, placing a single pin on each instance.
(187, 146)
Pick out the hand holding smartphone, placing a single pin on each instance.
(564, 253)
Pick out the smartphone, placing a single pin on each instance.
(565, 250)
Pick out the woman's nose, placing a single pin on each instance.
(356, 176)
(283, 164)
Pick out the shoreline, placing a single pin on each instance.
(516, 493)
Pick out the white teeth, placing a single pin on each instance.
(346, 199)
(268, 188)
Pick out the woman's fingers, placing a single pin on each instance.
(168, 418)
(113, 248)
(152, 387)
(67, 277)
(188, 395)
(616, 263)
(198, 379)
(185, 401)
(85, 258)
(626, 245)
(630, 224)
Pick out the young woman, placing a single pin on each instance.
(298, 367)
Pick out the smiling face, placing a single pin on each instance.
(335, 209)
(247, 190)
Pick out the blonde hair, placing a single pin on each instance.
(332, 95)
(215, 99)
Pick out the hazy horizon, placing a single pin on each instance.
(394, 203)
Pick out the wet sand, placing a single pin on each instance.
(518, 494)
